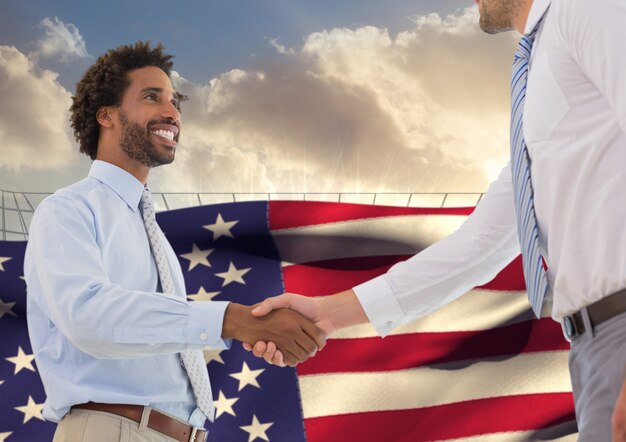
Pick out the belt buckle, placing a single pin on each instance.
(194, 433)
(570, 331)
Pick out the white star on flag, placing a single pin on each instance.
(221, 227)
(197, 256)
(203, 295)
(247, 376)
(6, 308)
(224, 405)
(257, 429)
(31, 410)
(233, 275)
(22, 360)
(213, 355)
(3, 436)
(3, 259)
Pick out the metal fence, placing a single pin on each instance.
(17, 208)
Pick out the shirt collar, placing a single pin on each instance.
(537, 10)
(121, 182)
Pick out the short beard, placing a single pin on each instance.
(498, 15)
(135, 142)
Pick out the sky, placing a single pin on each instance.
(284, 95)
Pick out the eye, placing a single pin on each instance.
(176, 104)
(152, 97)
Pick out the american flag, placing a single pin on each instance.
(480, 369)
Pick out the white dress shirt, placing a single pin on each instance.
(575, 129)
(99, 329)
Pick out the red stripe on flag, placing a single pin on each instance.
(327, 277)
(450, 421)
(335, 275)
(290, 214)
(376, 354)
(509, 278)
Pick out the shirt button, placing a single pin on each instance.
(204, 336)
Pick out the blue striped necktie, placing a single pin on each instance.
(535, 275)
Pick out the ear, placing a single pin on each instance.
(103, 116)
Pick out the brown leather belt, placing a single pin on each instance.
(157, 421)
(600, 311)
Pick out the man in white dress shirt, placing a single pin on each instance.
(575, 131)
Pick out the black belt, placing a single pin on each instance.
(600, 311)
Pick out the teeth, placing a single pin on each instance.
(168, 134)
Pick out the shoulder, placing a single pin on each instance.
(75, 195)
(584, 12)
(75, 202)
(588, 26)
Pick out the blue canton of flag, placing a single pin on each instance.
(226, 253)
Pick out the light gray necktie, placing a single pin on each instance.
(534, 272)
(192, 360)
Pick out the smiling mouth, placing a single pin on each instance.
(165, 134)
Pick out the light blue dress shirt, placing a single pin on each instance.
(99, 329)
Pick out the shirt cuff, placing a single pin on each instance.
(380, 305)
(205, 324)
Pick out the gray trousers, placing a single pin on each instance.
(597, 361)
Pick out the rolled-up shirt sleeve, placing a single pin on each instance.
(473, 255)
(103, 319)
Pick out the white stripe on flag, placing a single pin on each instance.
(466, 313)
(396, 235)
(333, 394)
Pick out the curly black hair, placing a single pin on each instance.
(104, 84)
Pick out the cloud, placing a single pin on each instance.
(356, 110)
(34, 128)
(62, 42)
(280, 48)
(350, 110)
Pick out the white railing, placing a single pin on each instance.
(17, 208)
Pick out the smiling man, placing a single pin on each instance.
(118, 346)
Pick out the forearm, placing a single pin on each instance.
(469, 257)
(109, 322)
(343, 310)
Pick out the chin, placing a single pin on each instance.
(491, 29)
(162, 157)
(167, 159)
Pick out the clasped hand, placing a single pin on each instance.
(295, 336)
(272, 351)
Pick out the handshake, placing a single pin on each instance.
(288, 329)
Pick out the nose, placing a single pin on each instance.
(168, 110)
